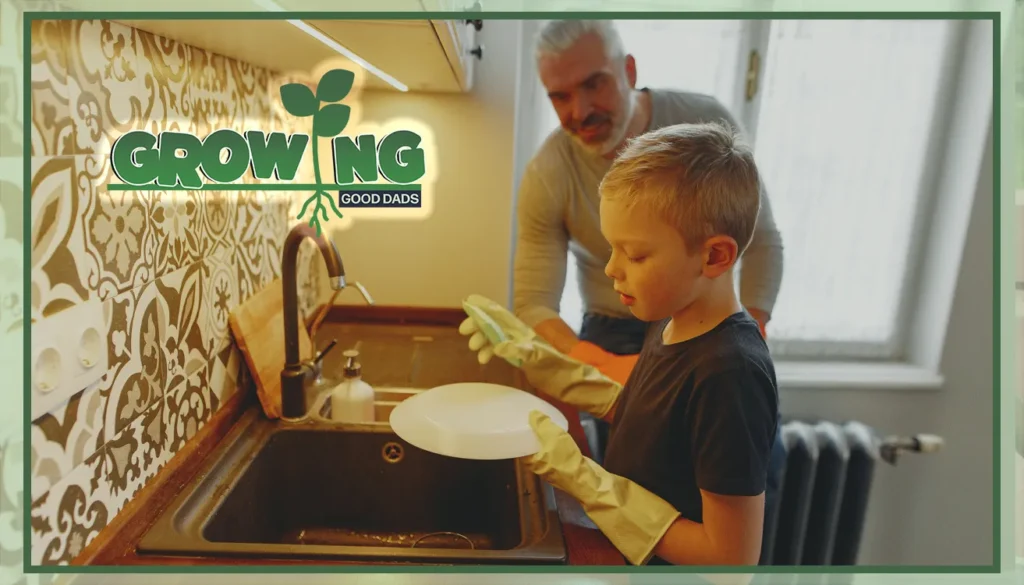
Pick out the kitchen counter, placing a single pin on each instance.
(399, 347)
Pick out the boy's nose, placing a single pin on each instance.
(611, 269)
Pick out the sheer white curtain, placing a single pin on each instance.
(844, 127)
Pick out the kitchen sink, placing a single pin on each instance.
(319, 489)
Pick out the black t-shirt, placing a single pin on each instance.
(699, 414)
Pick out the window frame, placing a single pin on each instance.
(929, 181)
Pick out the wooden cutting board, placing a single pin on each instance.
(258, 327)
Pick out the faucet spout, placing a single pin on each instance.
(295, 372)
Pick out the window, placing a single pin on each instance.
(843, 126)
(842, 139)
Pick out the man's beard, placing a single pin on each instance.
(618, 131)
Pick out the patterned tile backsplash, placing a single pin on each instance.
(167, 265)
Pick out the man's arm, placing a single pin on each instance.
(761, 265)
(542, 247)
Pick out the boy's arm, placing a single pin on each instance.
(571, 381)
(640, 523)
(731, 422)
(730, 535)
(582, 381)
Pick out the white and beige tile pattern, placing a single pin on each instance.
(167, 265)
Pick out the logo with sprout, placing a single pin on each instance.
(182, 161)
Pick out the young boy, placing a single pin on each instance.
(692, 429)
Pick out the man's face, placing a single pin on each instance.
(591, 93)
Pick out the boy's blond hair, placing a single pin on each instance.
(702, 176)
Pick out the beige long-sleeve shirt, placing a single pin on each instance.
(558, 212)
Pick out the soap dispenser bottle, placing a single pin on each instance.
(352, 399)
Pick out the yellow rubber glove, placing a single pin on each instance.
(510, 325)
(559, 376)
(633, 518)
(547, 369)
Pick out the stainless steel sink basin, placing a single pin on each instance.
(322, 490)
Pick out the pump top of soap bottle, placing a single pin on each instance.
(352, 399)
(353, 369)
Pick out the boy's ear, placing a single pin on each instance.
(720, 254)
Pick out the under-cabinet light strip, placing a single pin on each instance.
(334, 45)
(340, 49)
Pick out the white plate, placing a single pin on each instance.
(472, 420)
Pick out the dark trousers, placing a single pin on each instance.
(625, 336)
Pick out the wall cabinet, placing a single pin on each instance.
(424, 55)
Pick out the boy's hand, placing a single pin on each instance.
(559, 456)
(633, 519)
(559, 376)
(511, 326)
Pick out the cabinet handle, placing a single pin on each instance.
(478, 52)
(477, 24)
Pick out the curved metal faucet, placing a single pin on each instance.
(297, 372)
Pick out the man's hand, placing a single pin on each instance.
(616, 367)
(762, 319)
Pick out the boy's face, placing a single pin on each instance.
(654, 274)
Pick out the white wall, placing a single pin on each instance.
(465, 246)
(930, 509)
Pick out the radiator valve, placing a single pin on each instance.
(891, 447)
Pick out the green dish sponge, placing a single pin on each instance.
(491, 330)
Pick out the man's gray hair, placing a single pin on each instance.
(556, 36)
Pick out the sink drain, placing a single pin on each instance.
(434, 534)
(392, 452)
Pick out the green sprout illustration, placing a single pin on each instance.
(328, 122)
